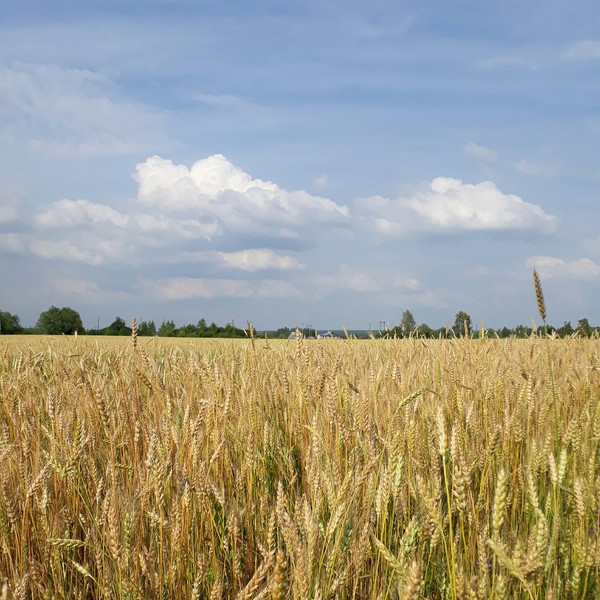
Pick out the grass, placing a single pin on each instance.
(299, 469)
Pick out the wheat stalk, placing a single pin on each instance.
(539, 295)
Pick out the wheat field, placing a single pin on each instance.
(300, 469)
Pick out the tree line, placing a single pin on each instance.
(463, 327)
(67, 321)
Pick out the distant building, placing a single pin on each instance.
(329, 335)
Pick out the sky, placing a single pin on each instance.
(331, 163)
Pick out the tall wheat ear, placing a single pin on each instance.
(134, 332)
(539, 295)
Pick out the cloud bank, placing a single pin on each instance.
(211, 230)
(448, 205)
(550, 267)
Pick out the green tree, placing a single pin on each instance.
(407, 323)
(424, 330)
(167, 329)
(460, 320)
(584, 326)
(187, 331)
(118, 327)
(55, 321)
(147, 328)
(202, 328)
(9, 324)
(283, 333)
(566, 330)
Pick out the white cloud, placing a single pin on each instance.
(67, 112)
(186, 288)
(72, 213)
(550, 267)
(447, 205)
(586, 50)
(482, 152)
(91, 251)
(214, 189)
(162, 230)
(257, 259)
(253, 259)
(179, 213)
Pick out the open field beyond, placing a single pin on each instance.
(299, 469)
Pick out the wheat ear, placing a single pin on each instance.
(539, 295)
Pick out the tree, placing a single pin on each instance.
(505, 332)
(187, 331)
(566, 330)
(55, 321)
(424, 331)
(460, 320)
(584, 327)
(167, 329)
(147, 328)
(202, 328)
(283, 333)
(9, 324)
(408, 323)
(118, 327)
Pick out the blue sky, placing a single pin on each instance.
(331, 163)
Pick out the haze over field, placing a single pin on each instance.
(328, 163)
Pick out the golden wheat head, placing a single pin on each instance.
(539, 295)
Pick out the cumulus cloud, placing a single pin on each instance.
(186, 288)
(550, 267)
(215, 190)
(481, 152)
(177, 215)
(447, 205)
